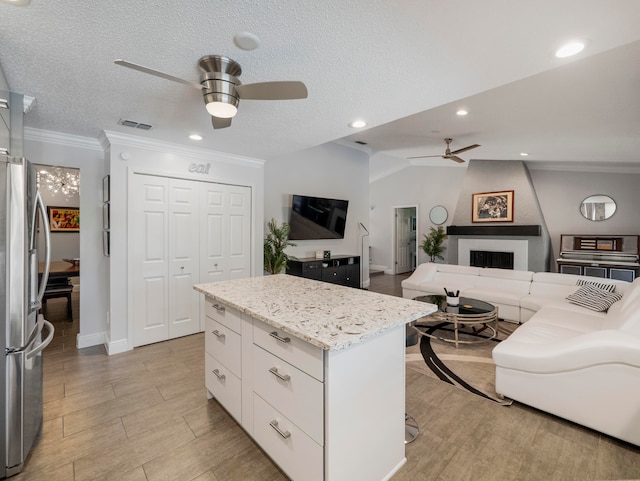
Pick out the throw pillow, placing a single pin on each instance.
(600, 285)
(594, 298)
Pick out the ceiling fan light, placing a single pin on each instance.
(221, 110)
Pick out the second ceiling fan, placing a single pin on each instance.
(448, 153)
(222, 90)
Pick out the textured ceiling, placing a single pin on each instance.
(401, 65)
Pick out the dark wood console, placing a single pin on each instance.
(611, 256)
(343, 270)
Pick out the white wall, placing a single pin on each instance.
(425, 187)
(560, 194)
(330, 170)
(50, 148)
(129, 154)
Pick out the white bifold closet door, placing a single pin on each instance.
(184, 232)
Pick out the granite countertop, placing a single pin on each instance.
(326, 315)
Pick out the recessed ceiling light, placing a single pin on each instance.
(523, 154)
(462, 112)
(358, 124)
(570, 48)
(195, 137)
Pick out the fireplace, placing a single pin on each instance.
(518, 248)
(499, 260)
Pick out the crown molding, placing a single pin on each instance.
(57, 138)
(108, 138)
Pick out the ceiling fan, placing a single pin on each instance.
(222, 90)
(448, 154)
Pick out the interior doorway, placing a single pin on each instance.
(405, 242)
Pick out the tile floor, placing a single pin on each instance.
(144, 415)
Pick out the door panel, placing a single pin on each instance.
(184, 305)
(403, 229)
(150, 259)
(239, 257)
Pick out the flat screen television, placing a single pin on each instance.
(317, 218)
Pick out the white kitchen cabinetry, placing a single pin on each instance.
(319, 414)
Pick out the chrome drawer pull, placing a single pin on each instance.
(218, 335)
(222, 377)
(284, 434)
(284, 377)
(275, 335)
(218, 307)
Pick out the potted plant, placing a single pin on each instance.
(276, 241)
(432, 243)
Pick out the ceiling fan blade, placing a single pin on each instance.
(285, 90)
(156, 73)
(456, 159)
(220, 123)
(464, 149)
(426, 156)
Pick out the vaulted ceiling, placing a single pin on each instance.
(404, 66)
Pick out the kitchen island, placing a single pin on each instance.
(314, 372)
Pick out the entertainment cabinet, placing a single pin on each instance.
(608, 256)
(342, 270)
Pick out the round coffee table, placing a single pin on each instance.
(480, 315)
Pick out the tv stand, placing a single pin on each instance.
(342, 270)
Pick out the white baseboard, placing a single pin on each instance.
(389, 272)
(89, 340)
(373, 267)
(116, 347)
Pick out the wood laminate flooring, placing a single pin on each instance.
(143, 415)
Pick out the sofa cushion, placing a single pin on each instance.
(493, 296)
(510, 274)
(594, 298)
(535, 303)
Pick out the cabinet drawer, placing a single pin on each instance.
(291, 449)
(224, 345)
(224, 385)
(225, 315)
(301, 354)
(294, 393)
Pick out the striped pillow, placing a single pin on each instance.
(600, 285)
(593, 298)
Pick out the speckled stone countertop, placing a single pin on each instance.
(326, 315)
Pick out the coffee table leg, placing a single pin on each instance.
(455, 330)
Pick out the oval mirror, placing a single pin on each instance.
(438, 215)
(597, 207)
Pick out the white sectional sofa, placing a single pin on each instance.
(517, 294)
(565, 359)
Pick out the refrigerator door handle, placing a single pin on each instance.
(45, 342)
(37, 303)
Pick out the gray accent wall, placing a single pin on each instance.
(561, 191)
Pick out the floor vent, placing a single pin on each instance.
(135, 125)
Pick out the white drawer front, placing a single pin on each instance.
(294, 393)
(224, 345)
(301, 354)
(225, 315)
(291, 449)
(224, 385)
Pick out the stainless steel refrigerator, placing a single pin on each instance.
(22, 326)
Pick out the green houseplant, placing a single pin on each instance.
(432, 243)
(275, 242)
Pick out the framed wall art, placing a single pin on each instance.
(64, 219)
(492, 207)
